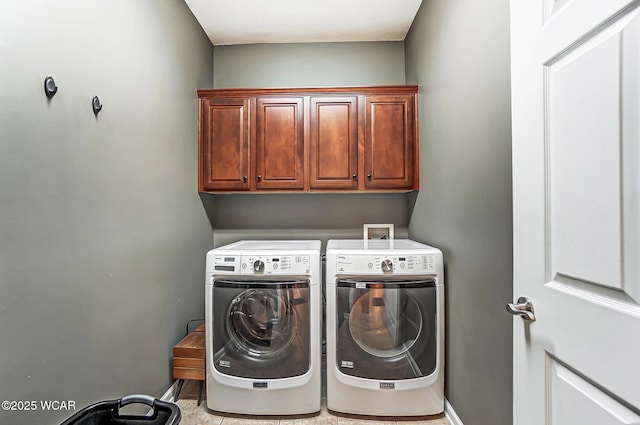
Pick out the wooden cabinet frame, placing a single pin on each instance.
(333, 142)
(223, 166)
(389, 159)
(279, 143)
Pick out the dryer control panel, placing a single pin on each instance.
(385, 264)
(263, 264)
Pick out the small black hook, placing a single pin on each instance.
(96, 105)
(50, 88)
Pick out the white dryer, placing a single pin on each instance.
(263, 322)
(385, 328)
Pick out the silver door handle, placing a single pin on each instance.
(523, 308)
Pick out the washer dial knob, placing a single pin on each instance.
(387, 266)
(258, 266)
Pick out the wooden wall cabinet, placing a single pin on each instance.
(319, 140)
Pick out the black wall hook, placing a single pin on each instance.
(50, 88)
(96, 105)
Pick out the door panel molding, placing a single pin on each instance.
(580, 158)
(568, 388)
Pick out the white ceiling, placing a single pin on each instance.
(303, 21)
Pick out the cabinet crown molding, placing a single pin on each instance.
(354, 90)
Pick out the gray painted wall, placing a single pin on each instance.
(306, 216)
(461, 63)
(309, 64)
(301, 216)
(102, 231)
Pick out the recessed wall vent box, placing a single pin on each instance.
(377, 231)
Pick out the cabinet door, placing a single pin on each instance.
(389, 142)
(224, 144)
(333, 143)
(279, 143)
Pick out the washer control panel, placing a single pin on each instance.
(385, 264)
(262, 264)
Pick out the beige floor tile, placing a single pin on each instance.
(192, 414)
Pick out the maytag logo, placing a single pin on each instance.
(347, 364)
(387, 385)
(259, 384)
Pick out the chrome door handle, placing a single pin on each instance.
(523, 308)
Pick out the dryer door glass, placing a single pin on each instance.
(261, 328)
(386, 329)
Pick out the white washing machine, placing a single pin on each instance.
(263, 323)
(385, 328)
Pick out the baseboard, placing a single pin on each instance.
(451, 414)
(169, 395)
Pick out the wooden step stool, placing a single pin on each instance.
(189, 360)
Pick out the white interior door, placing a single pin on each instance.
(576, 156)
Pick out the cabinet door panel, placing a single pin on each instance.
(279, 143)
(389, 142)
(333, 142)
(225, 144)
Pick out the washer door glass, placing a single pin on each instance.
(386, 329)
(261, 328)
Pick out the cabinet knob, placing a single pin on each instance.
(259, 177)
(369, 176)
(355, 176)
(244, 178)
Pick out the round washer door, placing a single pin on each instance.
(386, 329)
(261, 328)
